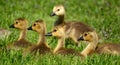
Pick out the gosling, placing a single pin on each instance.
(21, 43)
(41, 47)
(104, 48)
(60, 49)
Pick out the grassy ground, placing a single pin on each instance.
(103, 15)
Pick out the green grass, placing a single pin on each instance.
(103, 15)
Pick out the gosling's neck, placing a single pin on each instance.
(61, 44)
(91, 46)
(22, 34)
(42, 37)
(59, 20)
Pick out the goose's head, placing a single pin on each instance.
(58, 10)
(87, 36)
(20, 23)
(57, 32)
(37, 26)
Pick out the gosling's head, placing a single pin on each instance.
(20, 23)
(57, 32)
(58, 10)
(37, 26)
(87, 36)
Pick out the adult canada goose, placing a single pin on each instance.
(73, 29)
(104, 48)
(41, 47)
(20, 24)
(59, 32)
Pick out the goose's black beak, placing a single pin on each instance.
(11, 26)
(30, 28)
(52, 14)
(80, 38)
(48, 34)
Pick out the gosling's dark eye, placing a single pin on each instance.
(34, 24)
(85, 34)
(16, 22)
(54, 30)
(58, 9)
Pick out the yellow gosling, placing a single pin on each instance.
(60, 49)
(42, 47)
(103, 48)
(20, 24)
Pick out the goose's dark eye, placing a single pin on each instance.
(16, 23)
(58, 9)
(34, 24)
(85, 34)
(54, 30)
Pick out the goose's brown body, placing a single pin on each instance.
(108, 48)
(75, 29)
(22, 43)
(41, 49)
(64, 51)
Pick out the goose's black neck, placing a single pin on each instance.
(60, 20)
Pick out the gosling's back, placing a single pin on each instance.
(108, 48)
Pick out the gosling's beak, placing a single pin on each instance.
(52, 14)
(80, 38)
(11, 26)
(48, 34)
(30, 28)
